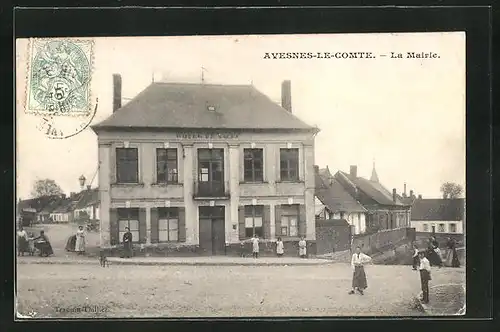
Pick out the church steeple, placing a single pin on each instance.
(374, 176)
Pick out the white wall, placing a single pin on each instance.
(419, 226)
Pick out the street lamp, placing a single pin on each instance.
(82, 180)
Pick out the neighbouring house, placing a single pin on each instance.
(334, 202)
(438, 215)
(46, 206)
(202, 167)
(86, 205)
(384, 209)
(63, 212)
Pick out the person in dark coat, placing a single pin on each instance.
(433, 253)
(22, 241)
(42, 243)
(452, 253)
(70, 245)
(127, 243)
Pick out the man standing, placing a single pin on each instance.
(425, 276)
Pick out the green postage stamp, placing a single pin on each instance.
(59, 77)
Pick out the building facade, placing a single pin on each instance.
(204, 166)
(438, 215)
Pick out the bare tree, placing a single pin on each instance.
(45, 187)
(451, 190)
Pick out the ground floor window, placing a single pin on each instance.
(441, 228)
(290, 220)
(426, 228)
(168, 224)
(128, 218)
(253, 220)
(453, 228)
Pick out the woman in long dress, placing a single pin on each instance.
(22, 242)
(127, 243)
(434, 254)
(80, 241)
(452, 257)
(302, 248)
(280, 248)
(42, 243)
(358, 261)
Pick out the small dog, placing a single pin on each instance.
(103, 260)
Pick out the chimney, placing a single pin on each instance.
(404, 191)
(88, 187)
(419, 196)
(286, 95)
(353, 171)
(117, 92)
(394, 195)
(411, 194)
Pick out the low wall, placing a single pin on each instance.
(266, 249)
(383, 240)
(422, 239)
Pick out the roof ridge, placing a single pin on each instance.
(202, 84)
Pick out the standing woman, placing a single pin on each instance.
(255, 246)
(359, 277)
(127, 243)
(80, 241)
(435, 253)
(22, 241)
(302, 248)
(452, 246)
(279, 247)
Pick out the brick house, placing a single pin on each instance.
(201, 167)
(384, 209)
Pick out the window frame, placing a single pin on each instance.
(128, 217)
(120, 168)
(286, 212)
(254, 211)
(441, 228)
(454, 228)
(165, 162)
(170, 214)
(253, 178)
(285, 152)
(425, 227)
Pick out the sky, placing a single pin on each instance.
(407, 115)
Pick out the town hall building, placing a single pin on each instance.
(205, 167)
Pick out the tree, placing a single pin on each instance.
(451, 190)
(45, 187)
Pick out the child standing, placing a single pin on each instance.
(415, 257)
(255, 246)
(302, 248)
(31, 244)
(279, 247)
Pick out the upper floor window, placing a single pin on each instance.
(253, 165)
(127, 165)
(289, 164)
(166, 166)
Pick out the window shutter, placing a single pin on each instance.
(241, 222)
(113, 161)
(142, 225)
(182, 224)
(154, 225)
(277, 213)
(302, 220)
(113, 226)
(266, 222)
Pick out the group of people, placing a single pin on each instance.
(434, 255)
(28, 243)
(77, 241)
(280, 247)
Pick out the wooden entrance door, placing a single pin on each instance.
(212, 230)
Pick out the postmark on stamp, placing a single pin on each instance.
(58, 85)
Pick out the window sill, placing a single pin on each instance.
(254, 182)
(166, 184)
(138, 184)
(292, 181)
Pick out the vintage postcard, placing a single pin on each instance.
(241, 176)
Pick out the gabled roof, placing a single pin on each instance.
(87, 198)
(334, 196)
(183, 105)
(438, 209)
(64, 206)
(374, 190)
(331, 222)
